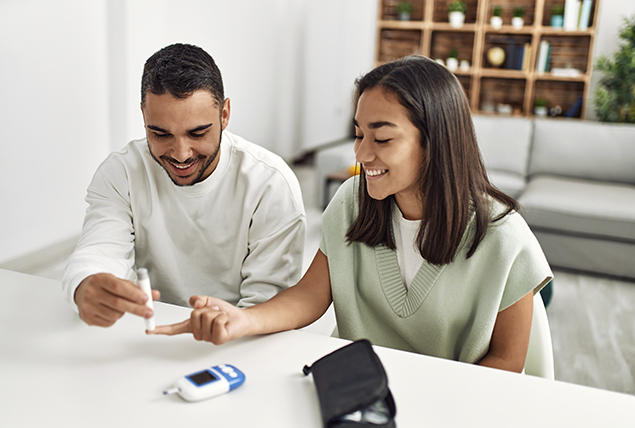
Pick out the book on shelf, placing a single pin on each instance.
(526, 57)
(585, 14)
(571, 14)
(574, 110)
(544, 53)
(577, 14)
(514, 56)
(566, 72)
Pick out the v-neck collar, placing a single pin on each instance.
(404, 301)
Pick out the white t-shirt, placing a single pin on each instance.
(405, 232)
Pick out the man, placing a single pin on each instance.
(205, 211)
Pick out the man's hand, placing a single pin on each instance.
(212, 320)
(103, 298)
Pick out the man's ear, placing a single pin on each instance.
(225, 113)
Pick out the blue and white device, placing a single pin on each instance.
(208, 383)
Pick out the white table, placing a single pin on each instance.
(56, 371)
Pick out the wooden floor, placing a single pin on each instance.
(592, 319)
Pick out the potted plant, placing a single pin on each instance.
(517, 20)
(457, 11)
(453, 59)
(540, 107)
(497, 17)
(404, 9)
(615, 96)
(557, 16)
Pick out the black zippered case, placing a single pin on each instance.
(352, 387)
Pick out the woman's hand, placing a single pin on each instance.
(212, 320)
(217, 321)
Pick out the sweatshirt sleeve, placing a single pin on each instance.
(106, 243)
(276, 241)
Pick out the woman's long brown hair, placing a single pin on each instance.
(452, 180)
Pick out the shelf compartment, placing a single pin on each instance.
(395, 44)
(443, 41)
(517, 49)
(508, 10)
(549, 4)
(441, 13)
(496, 91)
(389, 10)
(569, 51)
(561, 93)
(466, 82)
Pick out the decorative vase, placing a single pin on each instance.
(456, 19)
(452, 64)
(464, 66)
(557, 21)
(496, 22)
(404, 16)
(517, 22)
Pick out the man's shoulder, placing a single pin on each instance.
(255, 160)
(251, 152)
(120, 166)
(130, 154)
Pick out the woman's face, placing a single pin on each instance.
(387, 145)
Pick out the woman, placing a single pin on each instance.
(419, 253)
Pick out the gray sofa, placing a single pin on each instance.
(576, 184)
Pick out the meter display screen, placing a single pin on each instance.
(202, 378)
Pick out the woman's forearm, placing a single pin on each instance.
(297, 306)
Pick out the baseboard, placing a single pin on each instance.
(35, 261)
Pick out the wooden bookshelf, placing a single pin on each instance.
(429, 33)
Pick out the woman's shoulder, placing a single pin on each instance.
(345, 199)
(509, 231)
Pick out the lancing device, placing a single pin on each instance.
(143, 280)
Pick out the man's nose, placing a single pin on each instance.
(181, 150)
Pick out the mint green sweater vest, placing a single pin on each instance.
(448, 311)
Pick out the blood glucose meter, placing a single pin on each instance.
(208, 383)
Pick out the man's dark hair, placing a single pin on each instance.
(453, 183)
(181, 70)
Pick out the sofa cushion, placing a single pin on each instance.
(588, 150)
(510, 183)
(504, 142)
(587, 208)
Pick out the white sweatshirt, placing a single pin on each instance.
(238, 235)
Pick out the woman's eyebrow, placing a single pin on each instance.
(375, 125)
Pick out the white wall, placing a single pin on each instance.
(342, 33)
(71, 72)
(53, 118)
(288, 65)
(253, 42)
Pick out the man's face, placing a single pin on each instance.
(184, 134)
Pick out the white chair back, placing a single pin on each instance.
(539, 361)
